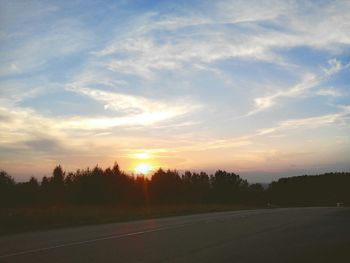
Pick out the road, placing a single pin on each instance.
(267, 235)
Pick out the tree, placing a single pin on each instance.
(7, 187)
(166, 187)
(227, 187)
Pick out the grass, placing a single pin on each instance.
(21, 219)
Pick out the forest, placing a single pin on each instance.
(112, 186)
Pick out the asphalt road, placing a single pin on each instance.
(269, 235)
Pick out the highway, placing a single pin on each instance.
(266, 235)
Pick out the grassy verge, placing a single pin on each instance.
(23, 219)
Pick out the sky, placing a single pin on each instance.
(260, 88)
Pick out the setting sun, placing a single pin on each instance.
(143, 168)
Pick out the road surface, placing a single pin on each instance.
(268, 235)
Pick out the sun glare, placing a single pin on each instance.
(143, 168)
(142, 155)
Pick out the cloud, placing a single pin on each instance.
(334, 67)
(143, 56)
(310, 122)
(262, 103)
(136, 110)
(305, 123)
(120, 102)
(302, 88)
(330, 92)
(15, 90)
(24, 124)
(36, 49)
(29, 11)
(102, 123)
(232, 30)
(44, 145)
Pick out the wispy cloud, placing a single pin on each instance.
(310, 122)
(141, 53)
(262, 103)
(334, 67)
(102, 123)
(329, 92)
(136, 110)
(308, 82)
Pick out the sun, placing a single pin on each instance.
(143, 168)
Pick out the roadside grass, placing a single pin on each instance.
(22, 219)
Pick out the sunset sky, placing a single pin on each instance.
(260, 88)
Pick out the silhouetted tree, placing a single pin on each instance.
(56, 185)
(255, 195)
(28, 192)
(166, 187)
(326, 189)
(227, 187)
(7, 187)
(113, 186)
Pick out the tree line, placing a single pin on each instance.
(113, 186)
